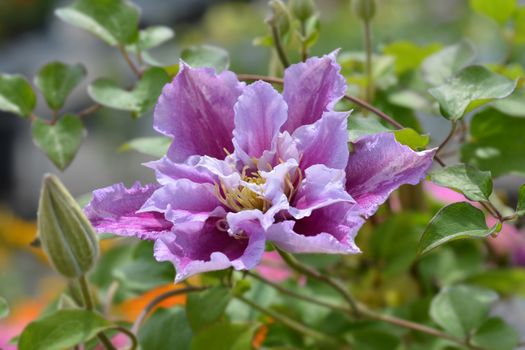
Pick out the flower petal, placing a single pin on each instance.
(321, 187)
(185, 202)
(114, 209)
(329, 230)
(259, 114)
(209, 249)
(324, 142)
(167, 171)
(378, 165)
(196, 109)
(311, 88)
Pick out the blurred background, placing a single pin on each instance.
(30, 35)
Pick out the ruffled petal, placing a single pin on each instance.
(168, 171)
(321, 187)
(185, 202)
(196, 110)
(378, 165)
(311, 88)
(324, 142)
(329, 230)
(259, 114)
(115, 208)
(209, 249)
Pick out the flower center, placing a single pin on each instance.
(243, 197)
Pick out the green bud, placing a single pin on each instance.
(65, 233)
(280, 17)
(365, 9)
(302, 9)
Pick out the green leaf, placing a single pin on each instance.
(444, 64)
(471, 88)
(496, 143)
(520, 207)
(360, 126)
(411, 138)
(455, 221)
(461, 309)
(371, 339)
(206, 56)
(166, 329)
(114, 21)
(409, 55)
(4, 308)
(154, 36)
(519, 25)
(224, 336)
(61, 141)
(139, 100)
(62, 329)
(56, 80)
(16, 95)
(500, 10)
(514, 105)
(509, 281)
(155, 146)
(495, 334)
(214, 301)
(475, 184)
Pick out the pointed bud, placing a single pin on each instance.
(65, 233)
(280, 17)
(364, 9)
(302, 9)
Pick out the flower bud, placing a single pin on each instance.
(280, 17)
(302, 9)
(65, 233)
(365, 9)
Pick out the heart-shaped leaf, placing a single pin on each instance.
(153, 335)
(475, 184)
(461, 309)
(16, 95)
(214, 301)
(114, 21)
(156, 146)
(56, 80)
(62, 329)
(500, 10)
(495, 334)
(206, 56)
(444, 64)
(471, 88)
(139, 100)
(60, 141)
(455, 221)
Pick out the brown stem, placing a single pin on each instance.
(449, 137)
(152, 304)
(128, 60)
(89, 110)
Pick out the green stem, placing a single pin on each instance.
(288, 322)
(278, 46)
(449, 137)
(304, 47)
(90, 306)
(130, 335)
(310, 272)
(368, 49)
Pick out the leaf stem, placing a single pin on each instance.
(157, 300)
(304, 46)
(453, 127)
(90, 306)
(310, 272)
(279, 46)
(286, 321)
(130, 335)
(367, 30)
(88, 110)
(128, 60)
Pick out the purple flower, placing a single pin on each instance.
(249, 165)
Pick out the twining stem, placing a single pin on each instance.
(128, 60)
(304, 45)
(90, 306)
(453, 127)
(279, 46)
(310, 272)
(368, 51)
(153, 303)
(130, 335)
(288, 322)
(365, 312)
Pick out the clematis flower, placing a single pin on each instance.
(249, 165)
